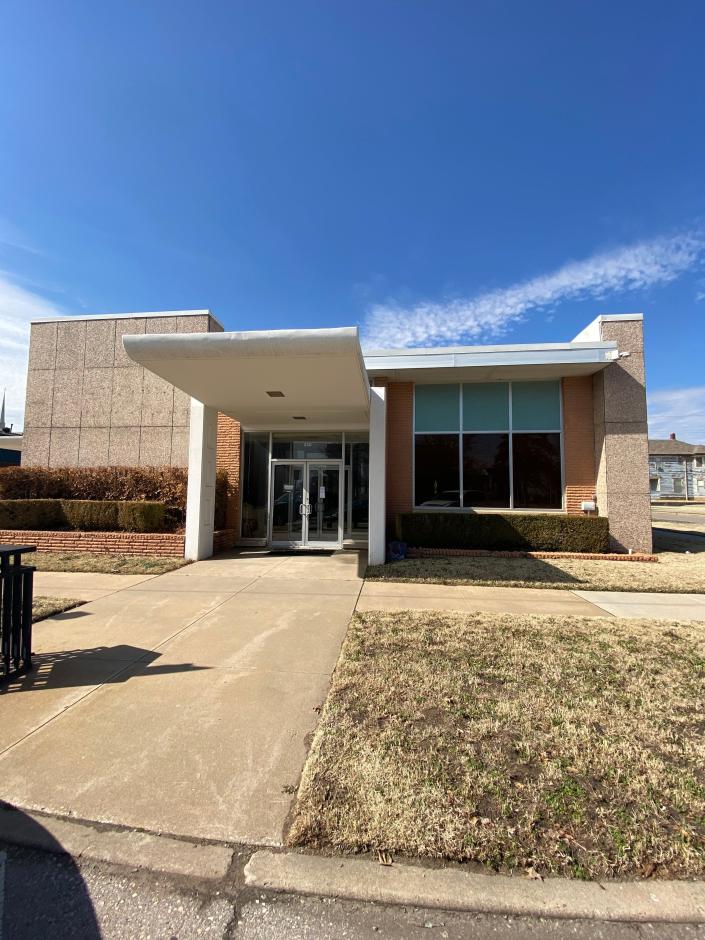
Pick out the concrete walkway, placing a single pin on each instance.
(395, 595)
(84, 585)
(181, 704)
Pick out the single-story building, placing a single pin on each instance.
(676, 469)
(324, 444)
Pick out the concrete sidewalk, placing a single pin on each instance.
(397, 595)
(84, 585)
(182, 704)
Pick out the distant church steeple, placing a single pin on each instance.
(3, 428)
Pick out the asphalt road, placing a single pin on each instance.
(51, 896)
(697, 520)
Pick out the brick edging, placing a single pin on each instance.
(157, 544)
(485, 553)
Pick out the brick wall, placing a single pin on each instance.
(89, 405)
(578, 441)
(160, 544)
(169, 544)
(228, 458)
(400, 441)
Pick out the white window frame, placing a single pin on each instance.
(510, 432)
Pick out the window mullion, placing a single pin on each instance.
(460, 447)
(511, 449)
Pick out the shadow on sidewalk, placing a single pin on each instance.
(93, 666)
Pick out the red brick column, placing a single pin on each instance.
(578, 442)
(400, 442)
(228, 458)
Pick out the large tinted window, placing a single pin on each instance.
(437, 408)
(536, 406)
(486, 406)
(486, 470)
(255, 464)
(505, 436)
(537, 471)
(437, 470)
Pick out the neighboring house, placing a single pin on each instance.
(324, 444)
(10, 441)
(676, 469)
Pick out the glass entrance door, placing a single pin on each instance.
(288, 504)
(306, 504)
(323, 515)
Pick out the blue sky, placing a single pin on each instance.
(434, 172)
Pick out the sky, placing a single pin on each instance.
(435, 173)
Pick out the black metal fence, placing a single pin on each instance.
(16, 593)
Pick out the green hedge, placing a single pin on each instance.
(83, 515)
(504, 531)
(165, 485)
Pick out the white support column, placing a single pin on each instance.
(200, 493)
(378, 477)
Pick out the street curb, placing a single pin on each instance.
(114, 846)
(453, 889)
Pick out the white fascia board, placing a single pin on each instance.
(546, 354)
(252, 344)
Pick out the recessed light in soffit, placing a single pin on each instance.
(276, 394)
(299, 417)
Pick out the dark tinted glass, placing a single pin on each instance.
(537, 471)
(359, 481)
(437, 470)
(310, 447)
(255, 464)
(486, 470)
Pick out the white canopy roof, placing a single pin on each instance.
(318, 376)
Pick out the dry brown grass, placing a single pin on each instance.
(48, 606)
(103, 564)
(680, 570)
(570, 745)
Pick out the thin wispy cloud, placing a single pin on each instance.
(679, 410)
(18, 306)
(491, 314)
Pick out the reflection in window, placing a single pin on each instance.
(310, 447)
(510, 437)
(437, 470)
(255, 465)
(357, 462)
(537, 471)
(486, 470)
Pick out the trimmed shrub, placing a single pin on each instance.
(504, 531)
(142, 517)
(31, 514)
(165, 485)
(82, 515)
